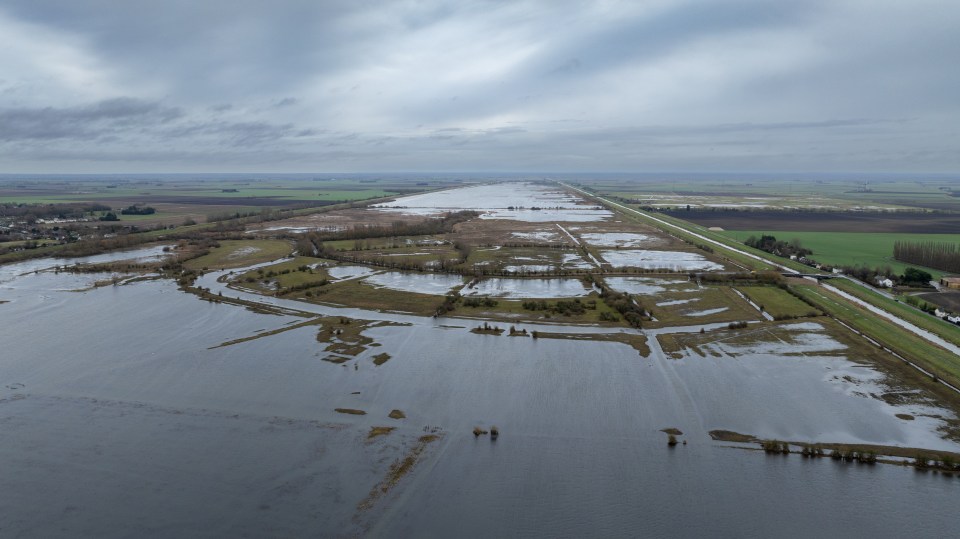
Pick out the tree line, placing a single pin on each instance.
(932, 254)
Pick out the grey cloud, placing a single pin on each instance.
(812, 83)
(83, 121)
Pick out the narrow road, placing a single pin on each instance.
(578, 244)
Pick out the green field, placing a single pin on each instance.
(777, 303)
(851, 248)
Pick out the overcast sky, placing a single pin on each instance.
(485, 85)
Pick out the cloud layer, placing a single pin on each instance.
(483, 85)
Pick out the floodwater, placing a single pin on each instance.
(122, 417)
(619, 239)
(649, 259)
(514, 201)
(421, 283)
(506, 287)
(647, 286)
(349, 272)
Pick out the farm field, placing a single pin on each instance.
(851, 248)
(757, 191)
(889, 222)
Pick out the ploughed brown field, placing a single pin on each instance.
(902, 222)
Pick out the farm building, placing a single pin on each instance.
(950, 282)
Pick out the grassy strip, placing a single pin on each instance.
(776, 302)
(949, 332)
(636, 341)
(932, 358)
(313, 322)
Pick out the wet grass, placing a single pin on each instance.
(397, 414)
(354, 293)
(350, 411)
(709, 298)
(636, 341)
(399, 469)
(379, 431)
(345, 339)
(777, 302)
(731, 436)
(287, 274)
(380, 359)
(241, 253)
(263, 334)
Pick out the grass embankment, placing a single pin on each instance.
(852, 248)
(932, 358)
(949, 332)
(240, 253)
(314, 322)
(777, 302)
(636, 341)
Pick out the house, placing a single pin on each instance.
(884, 282)
(950, 282)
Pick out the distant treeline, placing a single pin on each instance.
(32, 212)
(932, 254)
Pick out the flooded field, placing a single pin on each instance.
(420, 283)
(513, 201)
(245, 439)
(647, 285)
(148, 410)
(619, 239)
(527, 288)
(648, 259)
